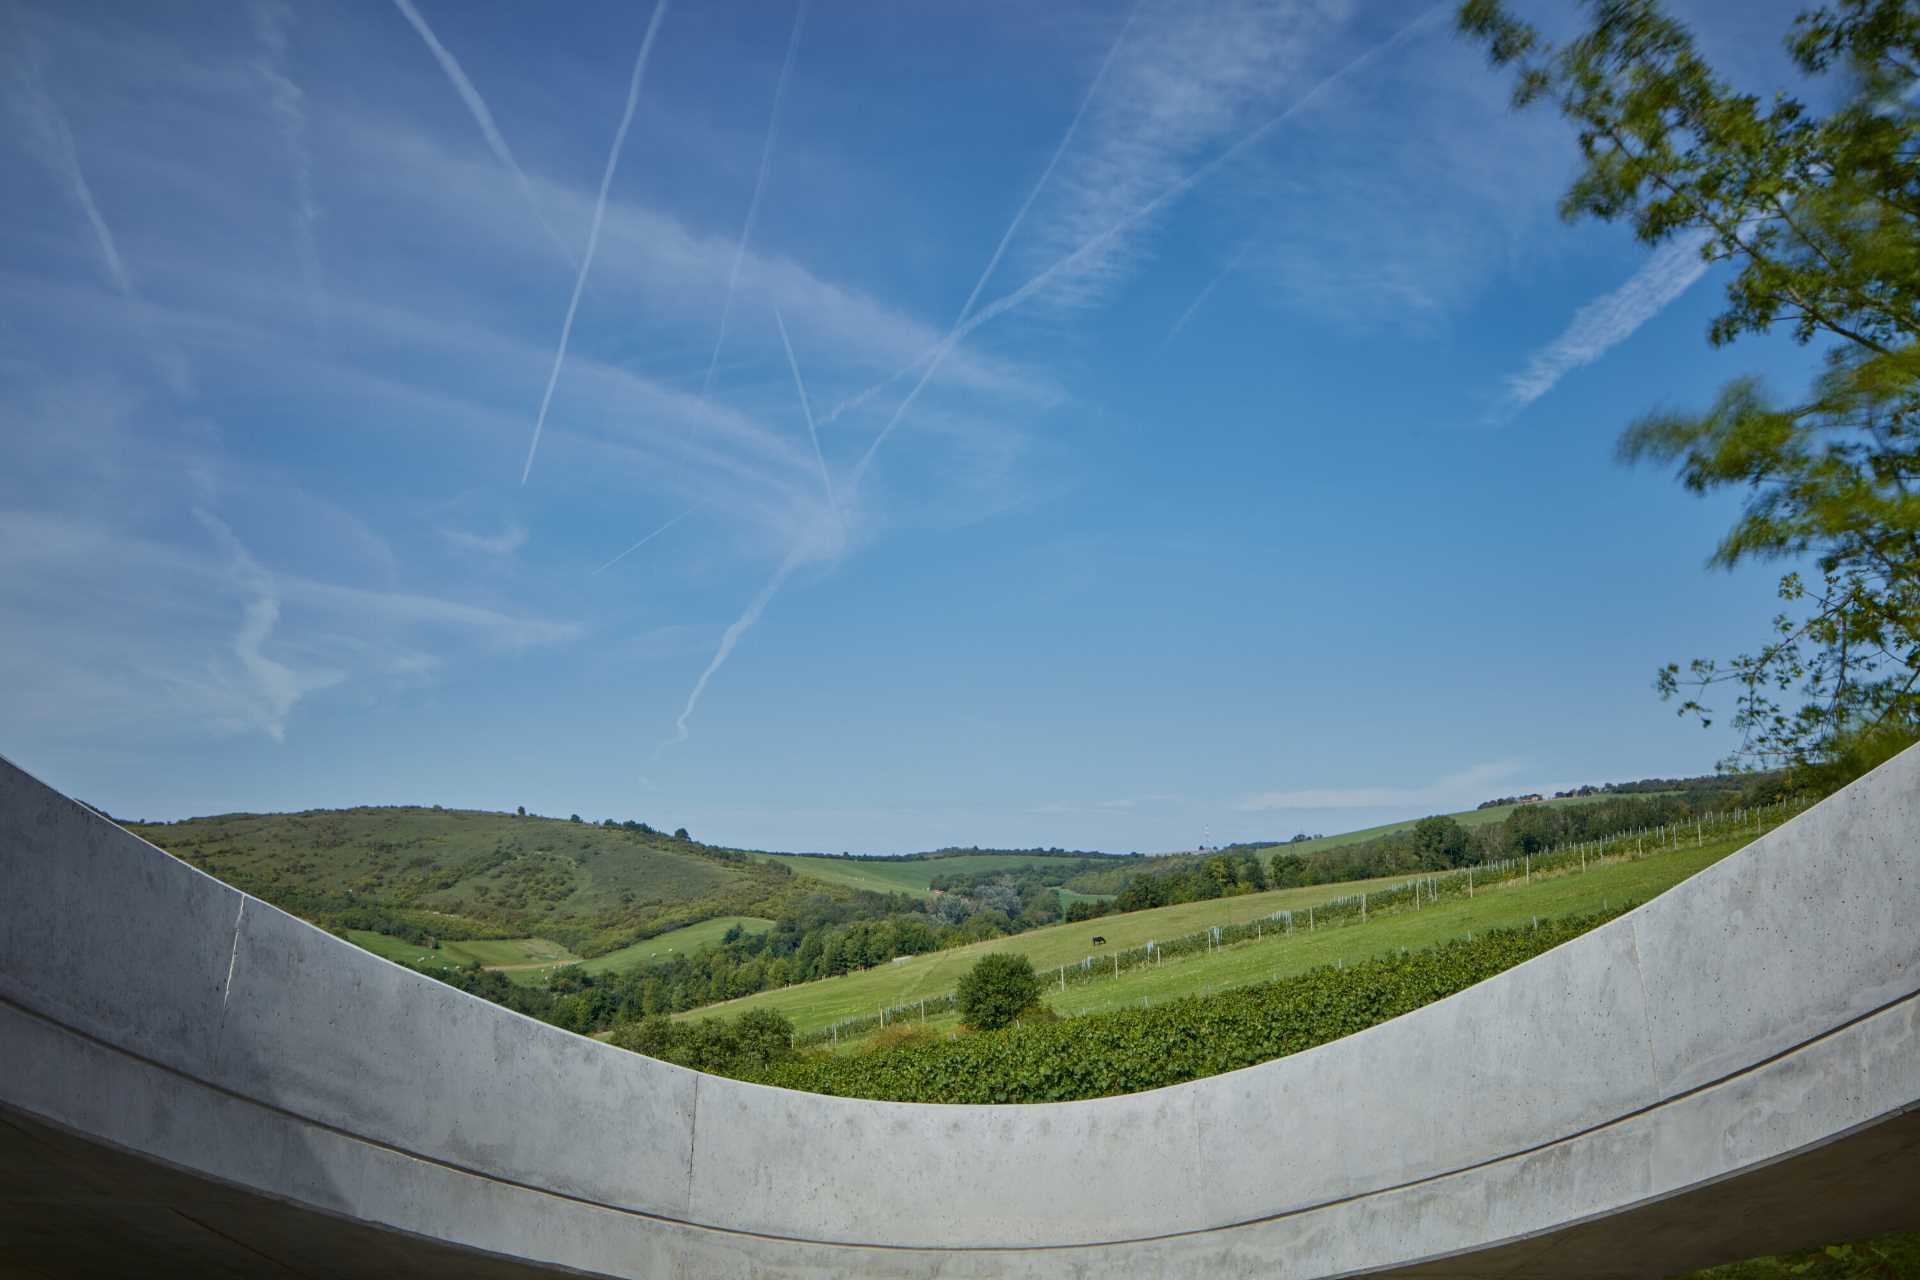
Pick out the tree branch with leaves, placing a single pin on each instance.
(1819, 215)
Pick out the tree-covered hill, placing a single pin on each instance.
(465, 873)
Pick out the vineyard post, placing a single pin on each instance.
(1363, 908)
(1696, 832)
(1469, 882)
(1529, 868)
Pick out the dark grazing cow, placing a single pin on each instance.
(1099, 941)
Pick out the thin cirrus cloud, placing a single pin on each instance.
(43, 126)
(1467, 787)
(505, 543)
(272, 27)
(1188, 80)
(1609, 320)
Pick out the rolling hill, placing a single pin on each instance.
(467, 874)
(912, 873)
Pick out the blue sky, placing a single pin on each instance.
(1265, 484)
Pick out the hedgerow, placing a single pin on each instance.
(1128, 1050)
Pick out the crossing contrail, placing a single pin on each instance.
(649, 538)
(593, 232)
(1179, 188)
(940, 353)
(477, 108)
(806, 407)
(759, 186)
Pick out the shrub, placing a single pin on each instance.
(997, 990)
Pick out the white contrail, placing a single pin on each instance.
(936, 353)
(1609, 320)
(806, 407)
(1200, 298)
(1177, 189)
(271, 20)
(759, 186)
(730, 638)
(54, 141)
(593, 232)
(477, 108)
(966, 309)
(649, 538)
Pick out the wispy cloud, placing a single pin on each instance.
(1464, 788)
(505, 543)
(482, 116)
(1063, 272)
(1609, 320)
(593, 233)
(1192, 79)
(269, 689)
(272, 21)
(46, 131)
(759, 187)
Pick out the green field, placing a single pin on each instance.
(529, 960)
(897, 875)
(685, 940)
(492, 954)
(1504, 905)
(814, 1005)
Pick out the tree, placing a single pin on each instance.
(1820, 214)
(522, 811)
(680, 833)
(1441, 842)
(998, 989)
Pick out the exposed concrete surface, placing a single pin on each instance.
(203, 1074)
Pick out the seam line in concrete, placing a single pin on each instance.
(747, 1233)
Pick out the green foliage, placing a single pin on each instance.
(752, 1042)
(1130, 1050)
(1889, 1257)
(998, 989)
(418, 872)
(1821, 216)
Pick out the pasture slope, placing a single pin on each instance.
(814, 1005)
(897, 875)
(469, 874)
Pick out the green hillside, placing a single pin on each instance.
(901, 875)
(1466, 818)
(815, 1005)
(421, 873)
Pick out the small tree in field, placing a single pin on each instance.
(998, 989)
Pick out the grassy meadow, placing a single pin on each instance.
(814, 1005)
(897, 875)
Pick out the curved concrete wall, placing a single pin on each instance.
(1758, 1012)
